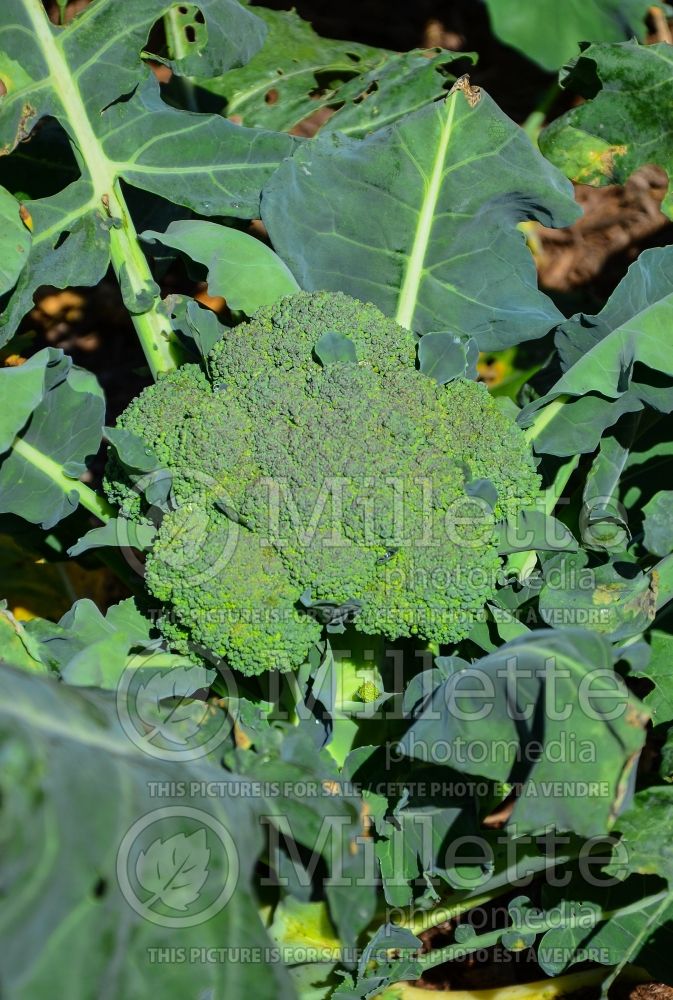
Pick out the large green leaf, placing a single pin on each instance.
(508, 716)
(90, 77)
(51, 424)
(88, 851)
(646, 830)
(624, 122)
(420, 218)
(296, 73)
(550, 33)
(614, 362)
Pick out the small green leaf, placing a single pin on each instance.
(335, 347)
(133, 452)
(241, 268)
(442, 357)
(118, 532)
(19, 648)
(56, 413)
(533, 529)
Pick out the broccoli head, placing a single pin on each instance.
(298, 483)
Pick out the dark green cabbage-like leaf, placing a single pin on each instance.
(615, 362)
(477, 705)
(624, 122)
(84, 841)
(421, 219)
(628, 907)
(616, 599)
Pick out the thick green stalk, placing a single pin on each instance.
(156, 337)
(130, 264)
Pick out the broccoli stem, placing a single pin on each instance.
(357, 662)
(156, 337)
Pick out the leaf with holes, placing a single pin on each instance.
(297, 73)
(623, 123)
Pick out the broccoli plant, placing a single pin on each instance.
(376, 677)
(275, 447)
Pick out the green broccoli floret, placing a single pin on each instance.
(227, 591)
(296, 482)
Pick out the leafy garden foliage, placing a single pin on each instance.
(341, 558)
